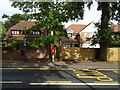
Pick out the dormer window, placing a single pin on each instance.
(15, 32)
(36, 33)
(70, 33)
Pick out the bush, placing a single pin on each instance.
(115, 44)
(3, 44)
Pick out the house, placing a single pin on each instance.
(78, 35)
(73, 34)
(19, 32)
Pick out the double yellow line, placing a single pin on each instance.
(11, 82)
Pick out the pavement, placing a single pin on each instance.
(62, 64)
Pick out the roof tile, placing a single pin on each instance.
(76, 27)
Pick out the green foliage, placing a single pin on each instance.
(110, 11)
(102, 36)
(39, 42)
(114, 9)
(44, 41)
(116, 36)
(3, 44)
(64, 11)
(115, 44)
(108, 37)
(2, 30)
(16, 44)
(115, 40)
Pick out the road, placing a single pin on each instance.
(60, 78)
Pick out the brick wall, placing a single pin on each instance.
(30, 53)
(78, 53)
(69, 53)
(113, 54)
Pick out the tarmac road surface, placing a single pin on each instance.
(60, 78)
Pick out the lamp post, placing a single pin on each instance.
(52, 49)
(24, 41)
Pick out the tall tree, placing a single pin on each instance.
(2, 30)
(110, 11)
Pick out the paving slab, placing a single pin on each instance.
(61, 64)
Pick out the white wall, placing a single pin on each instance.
(90, 28)
(89, 46)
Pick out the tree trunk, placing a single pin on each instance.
(105, 17)
(59, 53)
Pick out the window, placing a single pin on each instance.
(91, 34)
(69, 35)
(66, 45)
(36, 33)
(15, 32)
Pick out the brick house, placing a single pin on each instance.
(18, 32)
(78, 35)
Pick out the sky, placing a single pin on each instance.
(89, 15)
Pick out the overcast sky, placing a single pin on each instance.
(89, 15)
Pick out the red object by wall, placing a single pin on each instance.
(53, 50)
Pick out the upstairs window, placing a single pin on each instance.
(70, 35)
(15, 32)
(91, 34)
(36, 33)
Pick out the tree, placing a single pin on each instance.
(110, 11)
(2, 30)
(50, 16)
(14, 19)
(2, 34)
(115, 39)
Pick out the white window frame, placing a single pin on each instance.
(35, 32)
(67, 45)
(70, 35)
(15, 32)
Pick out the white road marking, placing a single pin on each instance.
(74, 84)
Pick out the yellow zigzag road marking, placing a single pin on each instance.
(117, 72)
(93, 74)
(104, 82)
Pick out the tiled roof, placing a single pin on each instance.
(116, 28)
(76, 27)
(22, 24)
